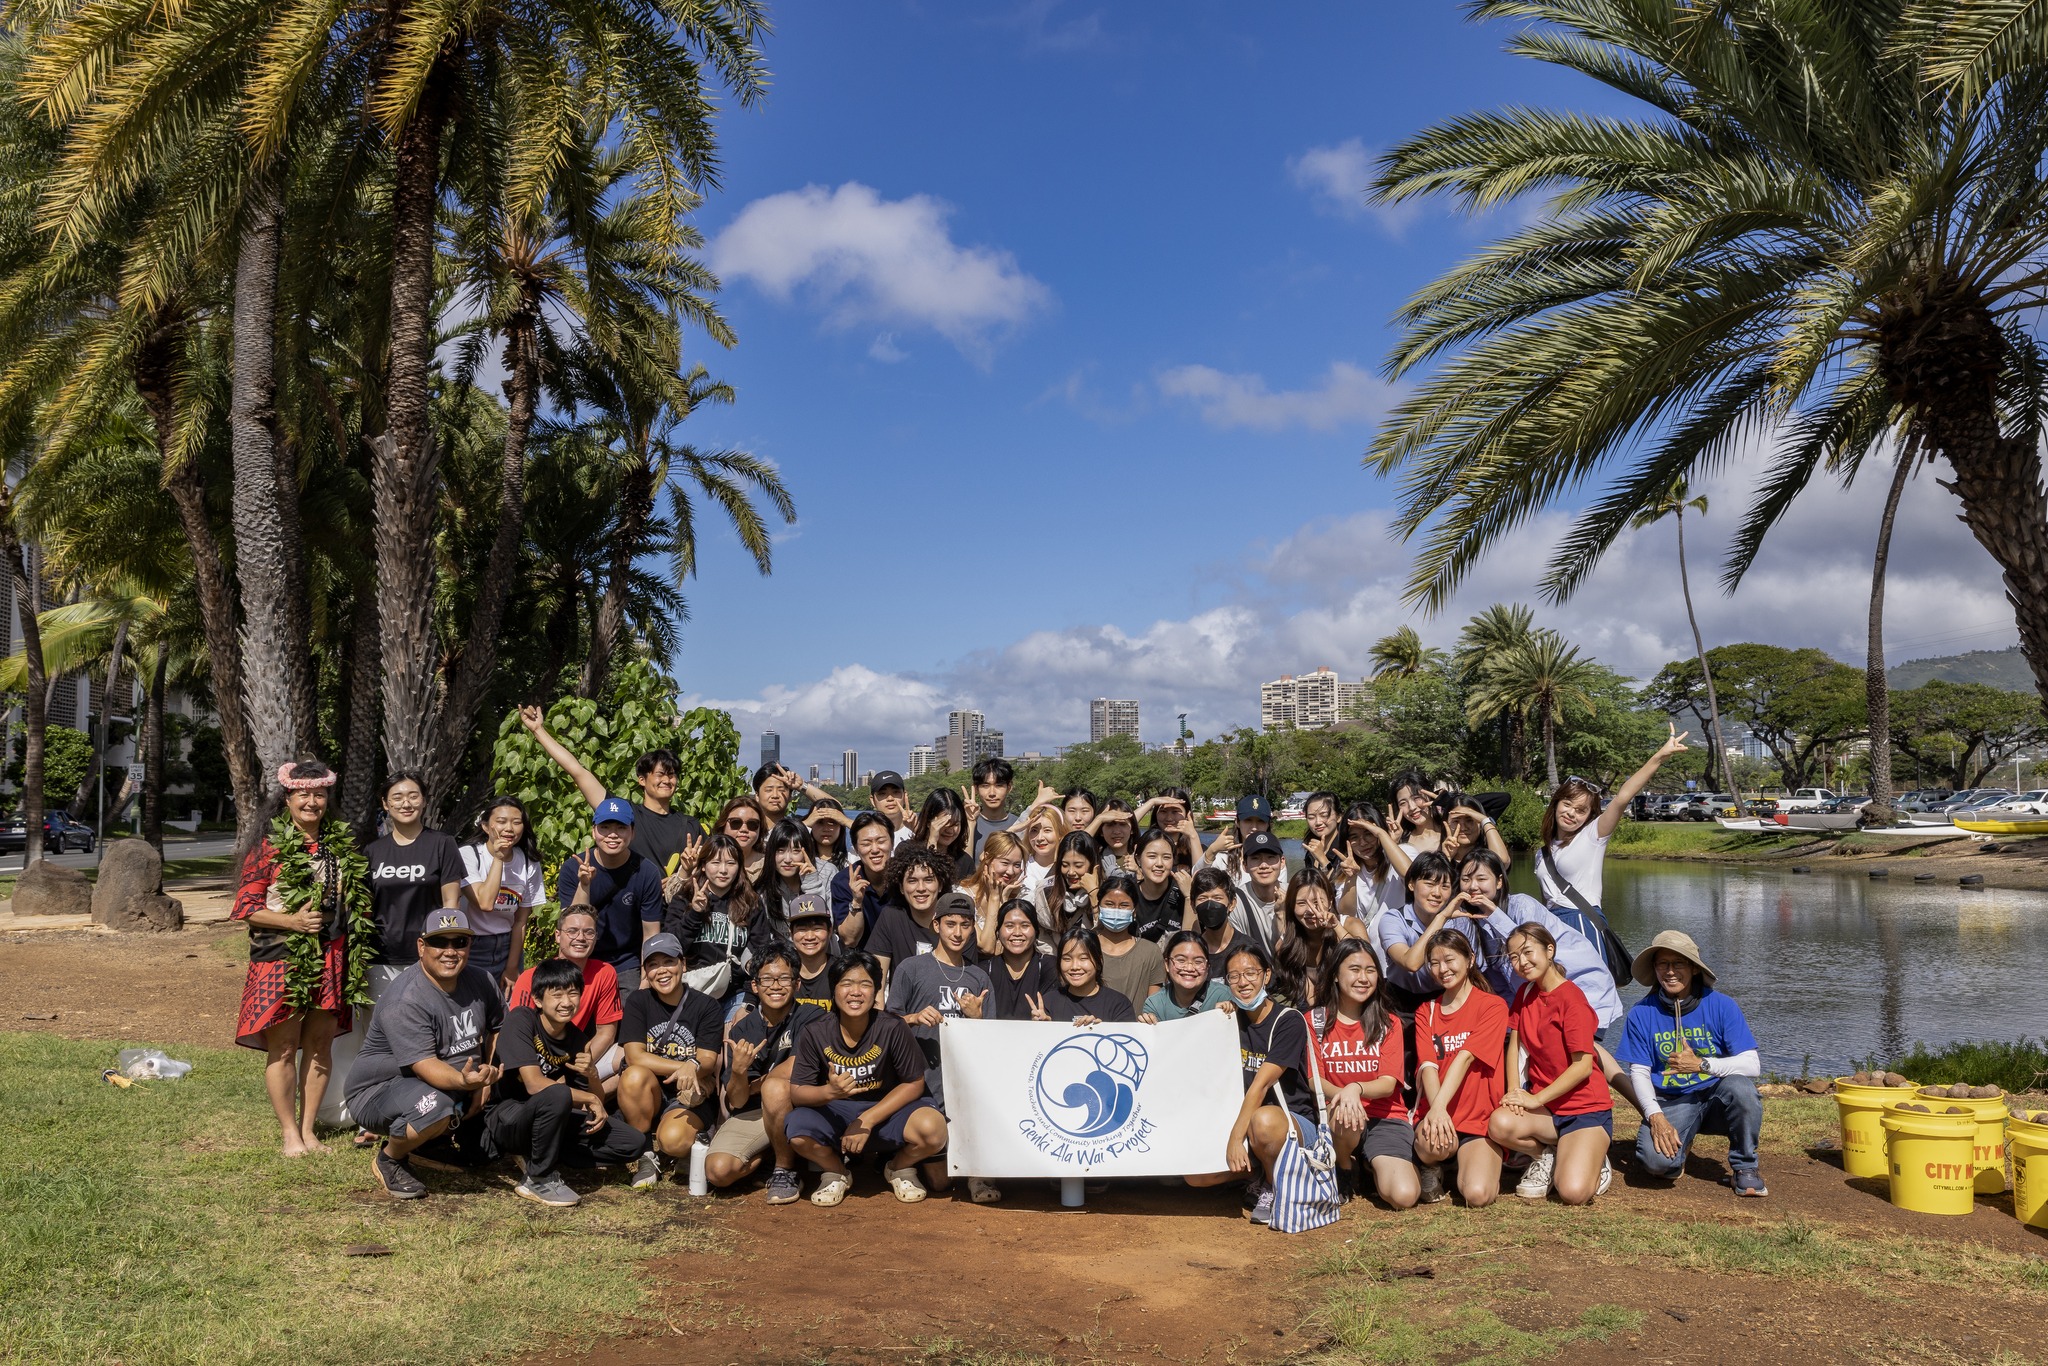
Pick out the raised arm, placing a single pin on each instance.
(586, 781)
(1610, 819)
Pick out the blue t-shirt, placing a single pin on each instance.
(1399, 924)
(622, 897)
(1715, 1028)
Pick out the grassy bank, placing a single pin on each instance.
(1690, 840)
(157, 1224)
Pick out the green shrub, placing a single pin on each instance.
(2020, 1066)
(1521, 825)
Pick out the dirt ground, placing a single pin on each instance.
(1150, 1274)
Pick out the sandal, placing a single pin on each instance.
(904, 1181)
(832, 1189)
(982, 1192)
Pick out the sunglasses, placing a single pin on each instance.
(742, 825)
(447, 941)
(1575, 778)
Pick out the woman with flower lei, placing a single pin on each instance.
(305, 900)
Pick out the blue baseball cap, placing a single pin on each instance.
(613, 809)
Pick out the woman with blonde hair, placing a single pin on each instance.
(1041, 829)
(998, 877)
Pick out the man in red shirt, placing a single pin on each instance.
(600, 1010)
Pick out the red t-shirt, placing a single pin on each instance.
(600, 1003)
(1478, 1027)
(1345, 1057)
(1552, 1026)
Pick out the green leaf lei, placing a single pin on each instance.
(300, 891)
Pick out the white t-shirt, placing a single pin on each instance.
(520, 885)
(1580, 862)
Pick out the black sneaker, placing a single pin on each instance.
(785, 1187)
(396, 1177)
(1347, 1184)
(548, 1189)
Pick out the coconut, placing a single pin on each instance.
(1985, 1092)
(1910, 1106)
(1894, 1079)
(1860, 1079)
(1961, 1091)
(1956, 1110)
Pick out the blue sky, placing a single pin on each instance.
(1064, 324)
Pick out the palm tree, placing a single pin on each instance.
(1674, 504)
(1799, 239)
(1402, 655)
(1540, 677)
(1876, 686)
(1487, 636)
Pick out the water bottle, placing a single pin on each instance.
(699, 1151)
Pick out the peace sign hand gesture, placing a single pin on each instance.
(586, 866)
(1037, 1004)
(1676, 744)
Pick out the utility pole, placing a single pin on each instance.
(1180, 736)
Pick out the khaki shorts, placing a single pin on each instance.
(744, 1135)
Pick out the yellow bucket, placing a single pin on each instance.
(1862, 1136)
(1932, 1169)
(2029, 1143)
(1989, 1145)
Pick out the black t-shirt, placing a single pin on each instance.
(1110, 1006)
(898, 937)
(658, 835)
(816, 992)
(698, 1022)
(1155, 920)
(1217, 961)
(525, 1042)
(405, 887)
(710, 938)
(777, 1041)
(1041, 977)
(886, 1056)
(1282, 1037)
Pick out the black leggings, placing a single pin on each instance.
(547, 1130)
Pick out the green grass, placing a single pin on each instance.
(2020, 1066)
(1704, 839)
(213, 865)
(157, 1224)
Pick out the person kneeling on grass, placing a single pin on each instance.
(1564, 1116)
(1273, 1044)
(1359, 1053)
(424, 1063)
(549, 1105)
(674, 1035)
(858, 1083)
(760, 1049)
(1694, 1063)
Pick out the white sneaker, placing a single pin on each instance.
(904, 1181)
(831, 1189)
(1606, 1177)
(647, 1170)
(1535, 1182)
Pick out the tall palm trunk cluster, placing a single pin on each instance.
(255, 257)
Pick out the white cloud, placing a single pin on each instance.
(866, 259)
(1340, 176)
(1324, 594)
(1348, 394)
(884, 349)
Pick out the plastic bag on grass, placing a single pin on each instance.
(150, 1064)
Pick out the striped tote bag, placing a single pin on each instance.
(1305, 1178)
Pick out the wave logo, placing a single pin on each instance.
(1087, 1087)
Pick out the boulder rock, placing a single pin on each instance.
(47, 889)
(128, 869)
(153, 912)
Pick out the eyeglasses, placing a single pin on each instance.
(782, 980)
(448, 941)
(1187, 960)
(578, 934)
(1242, 979)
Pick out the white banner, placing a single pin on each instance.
(1025, 1098)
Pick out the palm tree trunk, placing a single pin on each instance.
(1877, 688)
(1699, 647)
(636, 504)
(153, 368)
(405, 473)
(1549, 743)
(272, 652)
(35, 697)
(153, 757)
(359, 748)
(96, 772)
(478, 658)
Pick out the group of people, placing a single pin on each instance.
(773, 989)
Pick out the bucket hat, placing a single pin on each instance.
(1674, 942)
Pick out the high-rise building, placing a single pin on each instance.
(849, 768)
(964, 722)
(1310, 701)
(960, 753)
(923, 759)
(771, 747)
(1109, 716)
(814, 773)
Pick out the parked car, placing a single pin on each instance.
(61, 835)
(1707, 806)
(1807, 799)
(1976, 799)
(1925, 798)
(2034, 803)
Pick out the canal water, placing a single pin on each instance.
(1833, 969)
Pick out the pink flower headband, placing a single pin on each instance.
(289, 783)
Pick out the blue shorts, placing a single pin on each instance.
(827, 1123)
(1571, 1124)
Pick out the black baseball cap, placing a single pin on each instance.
(1262, 842)
(1253, 809)
(888, 777)
(954, 903)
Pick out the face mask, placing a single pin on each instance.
(1255, 1002)
(1114, 917)
(1212, 914)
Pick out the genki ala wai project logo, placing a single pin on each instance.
(1084, 1100)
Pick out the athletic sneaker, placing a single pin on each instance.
(1262, 1206)
(1432, 1184)
(904, 1181)
(1750, 1182)
(1535, 1183)
(1606, 1177)
(983, 1191)
(397, 1178)
(647, 1171)
(832, 1187)
(785, 1187)
(550, 1190)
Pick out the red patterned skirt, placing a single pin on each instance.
(263, 994)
